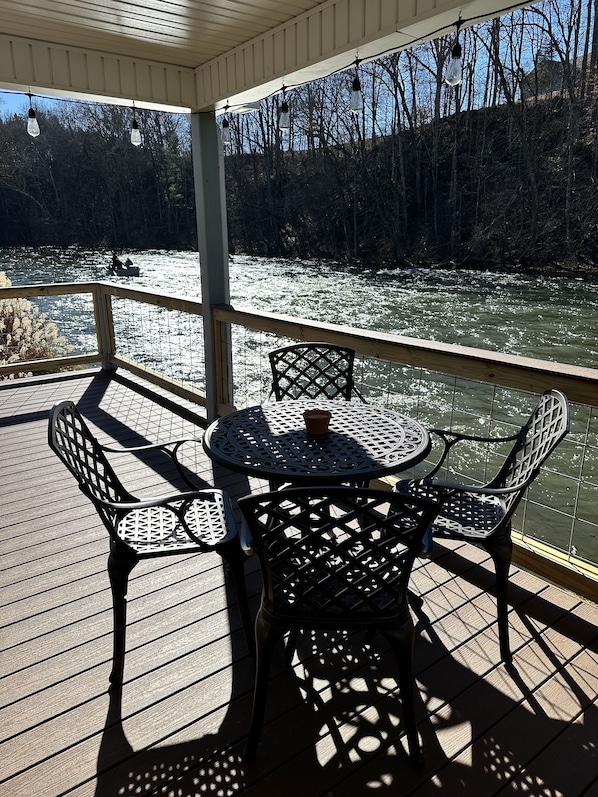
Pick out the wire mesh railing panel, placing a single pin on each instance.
(252, 378)
(559, 510)
(165, 340)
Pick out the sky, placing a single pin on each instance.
(12, 102)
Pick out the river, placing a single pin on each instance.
(547, 317)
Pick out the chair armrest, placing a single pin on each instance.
(166, 445)
(148, 503)
(359, 395)
(169, 447)
(454, 487)
(449, 439)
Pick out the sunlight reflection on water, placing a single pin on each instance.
(549, 317)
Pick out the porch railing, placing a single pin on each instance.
(160, 338)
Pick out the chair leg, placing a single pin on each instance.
(266, 636)
(235, 559)
(402, 640)
(291, 646)
(502, 553)
(120, 564)
(427, 542)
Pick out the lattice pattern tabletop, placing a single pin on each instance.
(270, 441)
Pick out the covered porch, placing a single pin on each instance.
(333, 724)
(205, 59)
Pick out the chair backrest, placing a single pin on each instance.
(336, 556)
(547, 426)
(312, 370)
(70, 438)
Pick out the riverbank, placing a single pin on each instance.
(566, 268)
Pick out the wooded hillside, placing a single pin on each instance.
(498, 172)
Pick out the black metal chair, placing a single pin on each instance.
(335, 558)
(178, 523)
(313, 370)
(482, 514)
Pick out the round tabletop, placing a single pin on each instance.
(270, 441)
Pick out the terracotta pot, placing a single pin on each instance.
(316, 421)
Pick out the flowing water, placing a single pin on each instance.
(548, 317)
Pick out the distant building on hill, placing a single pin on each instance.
(549, 76)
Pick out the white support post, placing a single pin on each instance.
(210, 200)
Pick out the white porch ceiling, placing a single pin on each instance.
(201, 54)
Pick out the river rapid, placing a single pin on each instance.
(548, 317)
(545, 317)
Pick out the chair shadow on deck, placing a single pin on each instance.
(512, 734)
(341, 736)
(344, 736)
(206, 764)
(302, 744)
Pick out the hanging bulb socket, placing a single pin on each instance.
(32, 123)
(356, 96)
(135, 133)
(454, 74)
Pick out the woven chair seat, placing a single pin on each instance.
(180, 524)
(463, 515)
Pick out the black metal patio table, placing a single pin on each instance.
(270, 441)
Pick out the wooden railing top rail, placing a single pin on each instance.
(160, 299)
(47, 289)
(508, 370)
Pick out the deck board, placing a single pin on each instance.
(333, 720)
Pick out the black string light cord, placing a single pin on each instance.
(427, 37)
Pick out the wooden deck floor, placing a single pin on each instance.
(333, 721)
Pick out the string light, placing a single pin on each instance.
(454, 75)
(135, 131)
(226, 129)
(32, 123)
(455, 55)
(356, 95)
(284, 120)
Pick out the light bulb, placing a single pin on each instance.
(226, 132)
(284, 120)
(135, 133)
(453, 74)
(32, 124)
(356, 97)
